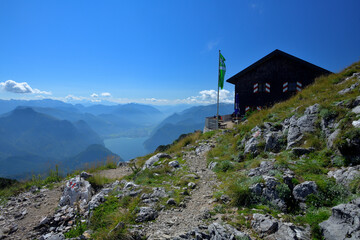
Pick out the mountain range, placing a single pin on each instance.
(122, 120)
(37, 134)
(31, 141)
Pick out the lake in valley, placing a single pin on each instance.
(127, 148)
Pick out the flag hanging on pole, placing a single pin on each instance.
(222, 70)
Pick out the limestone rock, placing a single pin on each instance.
(171, 201)
(345, 175)
(203, 148)
(304, 124)
(52, 236)
(332, 137)
(270, 228)
(225, 231)
(76, 189)
(288, 231)
(356, 102)
(356, 123)
(344, 222)
(252, 143)
(159, 192)
(85, 175)
(121, 164)
(146, 214)
(272, 142)
(174, 164)
(349, 89)
(150, 162)
(264, 224)
(263, 169)
(302, 190)
(96, 200)
(130, 185)
(212, 165)
(356, 110)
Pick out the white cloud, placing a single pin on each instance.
(76, 98)
(23, 87)
(106, 94)
(209, 97)
(204, 97)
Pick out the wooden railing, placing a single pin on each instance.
(210, 122)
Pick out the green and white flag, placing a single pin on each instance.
(222, 70)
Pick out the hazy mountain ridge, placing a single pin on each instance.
(31, 141)
(122, 120)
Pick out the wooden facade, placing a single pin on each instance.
(272, 79)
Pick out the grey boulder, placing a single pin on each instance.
(151, 161)
(76, 189)
(304, 124)
(146, 214)
(344, 222)
(225, 231)
(302, 190)
(270, 228)
(52, 236)
(345, 175)
(174, 164)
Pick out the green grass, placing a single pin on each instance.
(313, 217)
(76, 231)
(98, 181)
(109, 214)
(233, 165)
(109, 163)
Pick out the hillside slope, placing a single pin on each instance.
(288, 172)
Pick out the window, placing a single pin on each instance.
(292, 86)
(261, 87)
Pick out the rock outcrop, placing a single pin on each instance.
(151, 161)
(76, 190)
(343, 223)
(304, 124)
(146, 214)
(214, 231)
(302, 190)
(270, 228)
(345, 175)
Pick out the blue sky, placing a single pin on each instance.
(161, 51)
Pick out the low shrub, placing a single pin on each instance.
(224, 166)
(98, 181)
(348, 144)
(329, 194)
(354, 185)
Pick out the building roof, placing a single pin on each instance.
(276, 52)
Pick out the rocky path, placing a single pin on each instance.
(22, 213)
(115, 173)
(177, 221)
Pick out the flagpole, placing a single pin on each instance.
(217, 113)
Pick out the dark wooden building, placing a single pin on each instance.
(272, 79)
